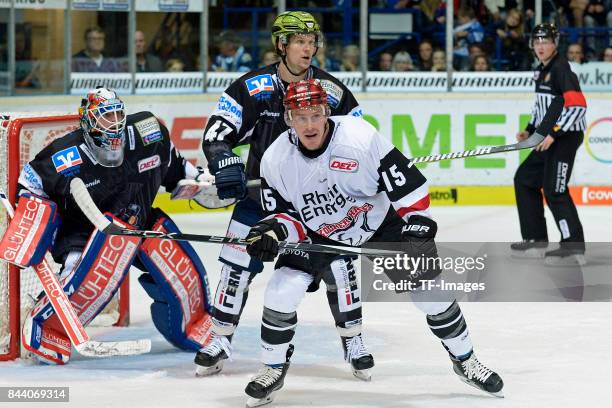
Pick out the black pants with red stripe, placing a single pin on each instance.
(549, 171)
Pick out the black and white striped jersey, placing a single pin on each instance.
(556, 79)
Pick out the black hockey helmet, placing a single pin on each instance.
(544, 30)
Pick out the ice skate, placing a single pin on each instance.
(473, 372)
(529, 248)
(210, 359)
(357, 355)
(565, 256)
(267, 382)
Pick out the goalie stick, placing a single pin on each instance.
(95, 216)
(68, 317)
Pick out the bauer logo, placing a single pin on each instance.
(149, 163)
(260, 86)
(67, 161)
(342, 164)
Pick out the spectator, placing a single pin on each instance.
(494, 7)
(175, 65)
(598, 14)
(26, 68)
(232, 55)
(269, 57)
(145, 62)
(475, 49)
(350, 58)
(385, 61)
(578, 8)
(91, 59)
(480, 63)
(575, 53)
(468, 31)
(425, 55)
(321, 60)
(514, 45)
(402, 62)
(438, 61)
(606, 55)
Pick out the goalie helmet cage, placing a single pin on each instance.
(22, 135)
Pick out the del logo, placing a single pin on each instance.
(149, 163)
(261, 84)
(65, 159)
(342, 164)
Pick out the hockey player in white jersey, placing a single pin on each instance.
(335, 180)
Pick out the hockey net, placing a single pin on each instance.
(22, 135)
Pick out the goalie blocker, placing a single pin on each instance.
(176, 280)
(31, 231)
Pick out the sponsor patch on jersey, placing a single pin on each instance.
(149, 163)
(231, 110)
(338, 163)
(149, 131)
(334, 93)
(67, 161)
(88, 153)
(30, 178)
(260, 86)
(131, 139)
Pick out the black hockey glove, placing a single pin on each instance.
(418, 242)
(230, 179)
(264, 237)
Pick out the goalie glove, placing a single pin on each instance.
(202, 190)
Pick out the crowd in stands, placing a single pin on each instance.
(489, 35)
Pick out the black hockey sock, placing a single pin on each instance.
(277, 327)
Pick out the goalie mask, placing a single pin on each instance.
(102, 117)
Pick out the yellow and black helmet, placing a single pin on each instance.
(295, 22)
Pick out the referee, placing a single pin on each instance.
(549, 166)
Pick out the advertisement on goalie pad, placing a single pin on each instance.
(418, 125)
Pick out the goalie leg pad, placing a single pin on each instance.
(177, 283)
(90, 285)
(47, 344)
(31, 231)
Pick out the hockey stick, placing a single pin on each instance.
(546, 126)
(68, 317)
(95, 216)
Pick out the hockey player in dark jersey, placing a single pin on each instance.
(251, 112)
(549, 165)
(335, 180)
(123, 161)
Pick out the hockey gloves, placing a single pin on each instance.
(263, 239)
(230, 178)
(418, 242)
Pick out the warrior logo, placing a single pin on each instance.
(346, 223)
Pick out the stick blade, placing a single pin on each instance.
(100, 349)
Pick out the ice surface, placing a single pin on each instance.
(549, 354)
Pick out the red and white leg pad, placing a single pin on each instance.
(102, 267)
(178, 284)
